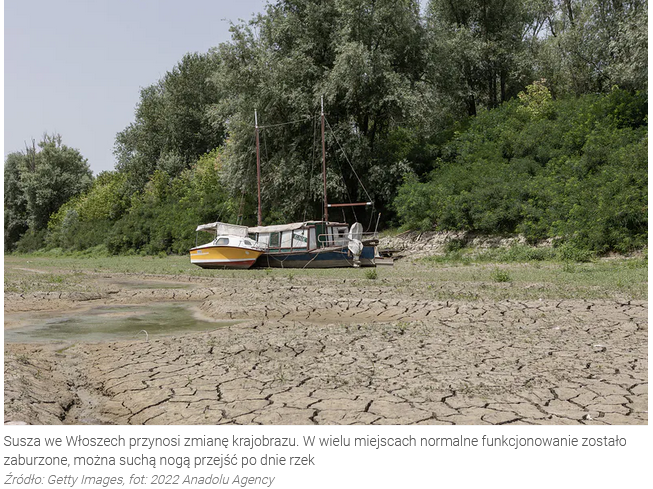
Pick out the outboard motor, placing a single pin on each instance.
(355, 244)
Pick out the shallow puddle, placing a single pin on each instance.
(109, 323)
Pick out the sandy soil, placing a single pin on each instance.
(343, 353)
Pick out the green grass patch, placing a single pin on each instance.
(499, 275)
(371, 274)
(469, 276)
(455, 254)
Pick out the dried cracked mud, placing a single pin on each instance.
(340, 353)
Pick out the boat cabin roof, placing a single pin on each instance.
(221, 228)
(224, 228)
(291, 226)
(230, 240)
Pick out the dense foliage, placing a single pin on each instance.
(37, 183)
(172, 128)
(160, 218)
(574, 169)
(366, 58)
(500, 116)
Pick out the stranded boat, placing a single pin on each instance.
(309, 244)
(231, 248)
(313, 244)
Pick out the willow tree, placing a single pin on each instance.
(593, 45)
(478, 49)
(171, 129)
(365, 57)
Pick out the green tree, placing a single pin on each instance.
(85, 220)
(593, 45)
(478, 47)
(365, 57)
(163, 217)
(172, 128)
(38, 183)
(15, 202)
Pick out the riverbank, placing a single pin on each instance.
(422, 342)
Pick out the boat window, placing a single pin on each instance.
(222, 241)
(274, 240)
(286, 239)
(299, 238)
(330, 237)
(320, 232)
(247, 242)
(312, 238)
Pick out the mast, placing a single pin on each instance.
(326, 204)
(258, 169)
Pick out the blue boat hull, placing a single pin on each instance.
(319, 258)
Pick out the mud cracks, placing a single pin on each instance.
(342, 354)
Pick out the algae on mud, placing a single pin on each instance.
(108, 323)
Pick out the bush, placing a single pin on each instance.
(576, 171)
(520, 253)
(371, 274)
(31, 241)
(499, 275)
(569, 252)
(454, 245)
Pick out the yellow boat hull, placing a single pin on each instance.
(223, 257)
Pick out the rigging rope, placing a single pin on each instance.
(347, 158)
(239, 219)
(267, 157)
(344, 183)
(369, 226)
(306, 119)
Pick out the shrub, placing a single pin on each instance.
(572, 169)
(499, 275)
(454, 245)
(521, 253)
(31, 241)
(371, 274)
(569, 252)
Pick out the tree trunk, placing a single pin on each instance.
(471, 105)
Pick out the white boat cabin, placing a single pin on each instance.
(228, 235)
(233, 241)
(301, 236)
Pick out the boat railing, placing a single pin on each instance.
(343, 240)
(329, 239)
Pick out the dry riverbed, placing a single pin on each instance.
(415, 345)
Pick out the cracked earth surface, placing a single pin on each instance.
(341, 354)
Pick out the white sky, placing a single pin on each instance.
(77, 67)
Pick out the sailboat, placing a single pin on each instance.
(308, 244)
(312, 244)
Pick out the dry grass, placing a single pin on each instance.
(614, 278)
